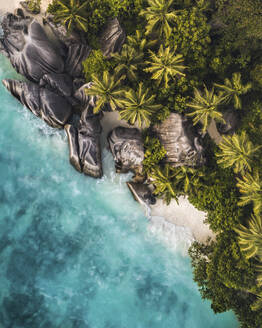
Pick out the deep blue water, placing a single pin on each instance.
(76, 252)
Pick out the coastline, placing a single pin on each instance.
(182, 215)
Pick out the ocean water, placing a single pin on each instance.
(77, 252)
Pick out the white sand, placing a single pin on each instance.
(184, 214)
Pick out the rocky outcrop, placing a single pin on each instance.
(85, 100)
(112, 38)
(126, 145)
(141, 193)
(231, 122)
(54, 109)
(30, 51)
(76, 54)
(180, 141)
(84, 145)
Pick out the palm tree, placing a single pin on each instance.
(187, 178)
(251, 188)
(107, 89)
(71, 15)
(232, 90)
(139, 43)
(159, 16)
(250, 242)
(205, 107)
(138, 106)
(250, 239)
(162, 181)
(165, 65)
(128, 61)
(237, 151)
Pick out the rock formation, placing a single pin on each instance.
(141, 193)
(112, 38)
(84, 144)
(30, 51)
(126, 145)
(54, 109)
(232, 120)
(181, 143)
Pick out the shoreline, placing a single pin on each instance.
(182, 215)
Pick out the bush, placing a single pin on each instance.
(95, 63)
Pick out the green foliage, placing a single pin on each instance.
(237, 151)
(108, 90)
(165, 65)
(187, 179)
(139, 42)
(250, 187)
(71, 15)
(225, 277)
(232, 90)
(191, 36)
(34, 5)
(159, 16)
(95, 63)
(256, 75)
(128, 62)
(138, 106)
(154, 153)
(205, 107)
(162, 179)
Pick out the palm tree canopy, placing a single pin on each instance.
(138, 106)
(108, 90)
(128, 61)
(159, 16)
(250, 239)
(237, 151)
(139, 43)
(251, 188)
(232, 90)
(164, 65)
(205, 107)
(187, 178)
(162, 181)
(71, 14)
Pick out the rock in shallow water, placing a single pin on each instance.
(126, 145)
(54, 109)
(84, 145)
(180, 141)
(141, 193)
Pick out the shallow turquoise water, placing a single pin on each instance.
(76, 252)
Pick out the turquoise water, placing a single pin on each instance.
(77, 252)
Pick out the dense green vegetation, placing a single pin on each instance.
(200, 58)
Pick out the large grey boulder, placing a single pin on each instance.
(180, 141)
(86, 101)
(30, 51)
(89, 144)
(76, 54)
(231, 122)
(54, 109)
(126, 145)
(84, 144)
(112, 38)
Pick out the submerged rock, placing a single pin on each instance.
(30, 51)
(54, 109)
(141, 193)
(180, 141)
(126, 145)
(112, 38)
